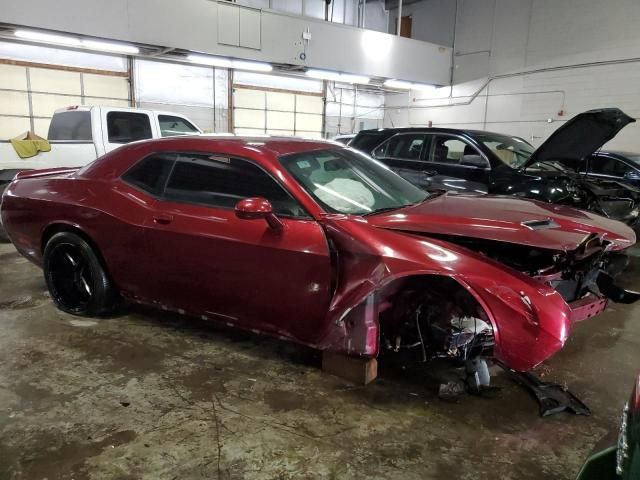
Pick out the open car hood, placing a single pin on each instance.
(506, 219)
(581, 136)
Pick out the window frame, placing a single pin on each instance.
(487, 167)
(608, 175)
(175, 154)
(420, 160)
(195, 132)
(122, 112)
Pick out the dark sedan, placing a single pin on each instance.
(612, 165)
(484, 162)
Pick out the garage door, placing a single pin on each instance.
(267, 111)
(30, 94)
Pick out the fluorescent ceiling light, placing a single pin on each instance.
(336, 76)
(223, 62)
(253, 66)
(404, 85)
(110, 46)
(209, 60)
(47, 37)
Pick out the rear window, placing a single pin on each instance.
(150, 174)
(71, 125)
(125, 127)
(366, 142)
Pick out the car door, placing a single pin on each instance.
(210, 262)
(457, 165)
(403, 153)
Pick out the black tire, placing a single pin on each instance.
(3, 235)
(76, 278)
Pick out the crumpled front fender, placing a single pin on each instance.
(530, 325)
(531, 321)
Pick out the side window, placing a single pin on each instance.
(608, 166)
(218, 181)
(150, 174)
(125, 127)
(447, 150)
(407, 147)
(454, 151)
(171, 126)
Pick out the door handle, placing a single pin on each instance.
(429, 173)
(162, 219)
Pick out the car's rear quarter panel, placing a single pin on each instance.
(36, 207)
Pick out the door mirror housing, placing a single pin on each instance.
(632, 175)
(255, 208)
(473, 161)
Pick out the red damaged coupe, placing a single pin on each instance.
(316, 243)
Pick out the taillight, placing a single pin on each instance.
(635, 398)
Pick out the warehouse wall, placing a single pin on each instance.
(526, 66)
(432, 20)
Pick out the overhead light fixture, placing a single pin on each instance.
(210, 60)
(47, 37)
(337, 76)
(253, 66)
(404, 85)
(110, 46)
(223, 62)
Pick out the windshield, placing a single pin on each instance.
(514, 152)
(345, 181)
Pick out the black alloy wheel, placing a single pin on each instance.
(76, 279)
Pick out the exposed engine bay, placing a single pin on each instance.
(608, 198)
(573, 274)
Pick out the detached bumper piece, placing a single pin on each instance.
(551, 397)
(587, 307)
(609, 289)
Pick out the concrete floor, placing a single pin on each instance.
(156, 396)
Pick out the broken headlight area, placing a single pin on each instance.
(436, 318)
(587, 270)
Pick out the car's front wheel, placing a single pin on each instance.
(76, 278)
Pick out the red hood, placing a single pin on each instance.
(502, 219)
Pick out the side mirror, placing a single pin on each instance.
(257, 207)
(632, 175)
(473, 161)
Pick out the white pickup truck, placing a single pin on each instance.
(79, 135)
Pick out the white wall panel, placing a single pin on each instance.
(14, 103)
(281, 101)
(44, 104)
(11, 127)
(280, 120)
(249, 118)
(55, 81)
(13, 77)
(105, 86)
(549, 36)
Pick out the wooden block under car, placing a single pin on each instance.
(355, 369)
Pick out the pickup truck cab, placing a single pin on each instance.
(80, 134)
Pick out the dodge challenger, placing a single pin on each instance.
(316, 243)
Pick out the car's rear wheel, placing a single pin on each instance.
(76, 278)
